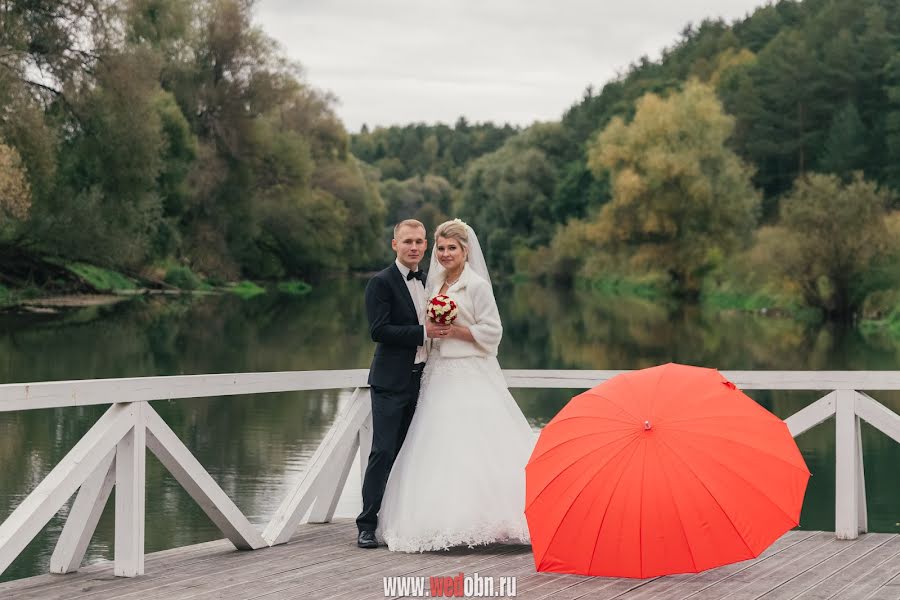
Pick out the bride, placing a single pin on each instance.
(459, 478)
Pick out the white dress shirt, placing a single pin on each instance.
(417, 291)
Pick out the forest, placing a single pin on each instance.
(754, 164)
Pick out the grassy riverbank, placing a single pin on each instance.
(53, 283)
(880, 314)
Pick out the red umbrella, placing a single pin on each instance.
(670, 469)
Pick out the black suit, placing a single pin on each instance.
(394, 381)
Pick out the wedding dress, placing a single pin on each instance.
(459, 478)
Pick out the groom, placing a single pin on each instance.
(395, 307)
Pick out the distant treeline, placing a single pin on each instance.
(755, 162)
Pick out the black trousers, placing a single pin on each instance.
(392, 413)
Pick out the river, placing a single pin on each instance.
(256, 447)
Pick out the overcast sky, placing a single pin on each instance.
(517, 61)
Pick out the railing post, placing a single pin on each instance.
(849, 487)
(862, 510)
(131, 459)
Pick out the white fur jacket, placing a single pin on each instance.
(477, 311)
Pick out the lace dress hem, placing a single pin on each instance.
(480, 535)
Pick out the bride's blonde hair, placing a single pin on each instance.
(455, 229)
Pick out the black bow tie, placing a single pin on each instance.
(416, 275)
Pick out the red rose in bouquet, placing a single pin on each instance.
(442, 309)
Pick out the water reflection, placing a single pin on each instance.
(256, 447)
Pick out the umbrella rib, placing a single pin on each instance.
(680, 520)
(589, 454)
(634, 393)
(750, 485)
(606, 509)
(731, 416)
(589, 481)
(655, 388)
(641, 513)
(610, 401)
(572, 439)
(754, 448)
(711, 495)
(632, 423)
(707, 396)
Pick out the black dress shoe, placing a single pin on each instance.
(366, 539)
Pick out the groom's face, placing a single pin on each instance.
(410, 245)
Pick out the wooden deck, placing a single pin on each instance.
(322, 561)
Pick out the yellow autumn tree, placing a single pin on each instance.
(681, 199)
(15, 193)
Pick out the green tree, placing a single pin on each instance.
(846, 147)
(508, 194)
(828, 236)
(680, 197)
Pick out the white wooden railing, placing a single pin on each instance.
(112, 453)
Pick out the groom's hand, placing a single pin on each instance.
(434, 330)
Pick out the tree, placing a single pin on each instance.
(508, 194)
(15, 192)
(846, 147)
(828, 235)
(782, 128)
(680, 197)
(892, 121)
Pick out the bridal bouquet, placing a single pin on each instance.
(442, 309)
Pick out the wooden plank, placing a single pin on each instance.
(342, 433)
(587, 587)
(27, 396)
(158, 564)
(264, 566)
(538, 585)
(483, 559)
(199, 484)
(874, 580)
(316, 549)
(846, 494)
(131, 464)
(404, 565)
(83, 517)
(709, 585)
(180, 569)
(775, 577)
(812, 415)
(851, 574)
(822, 571)
(58, 486)
(680, 586)
(311, 577)
(371, 577)
(330, 566)
(315, 565)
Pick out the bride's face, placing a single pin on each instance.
(450, 253)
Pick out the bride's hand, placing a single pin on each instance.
(460, 332)
(434, 330)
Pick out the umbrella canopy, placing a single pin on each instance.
(670, 469)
